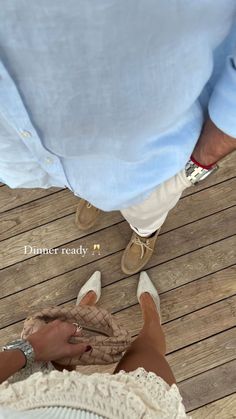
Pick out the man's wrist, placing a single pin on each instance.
(203, 166)
(213, 145)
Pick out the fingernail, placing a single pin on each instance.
(89, 348)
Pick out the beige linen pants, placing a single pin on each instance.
(149, 215)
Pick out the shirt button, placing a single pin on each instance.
(48, 160)
(26, 134)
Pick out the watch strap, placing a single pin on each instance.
(25, 347)
(196, 172)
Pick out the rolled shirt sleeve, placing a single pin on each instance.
(222, 104)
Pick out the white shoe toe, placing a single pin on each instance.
(145, 285)
(93, 284)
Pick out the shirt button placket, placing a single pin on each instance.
(48, 160)
(26, 134)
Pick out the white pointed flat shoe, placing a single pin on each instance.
(145, 285)
(93, 284)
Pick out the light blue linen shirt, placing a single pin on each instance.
(108, 97)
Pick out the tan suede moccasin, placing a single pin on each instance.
(86, 215)
(137, 253)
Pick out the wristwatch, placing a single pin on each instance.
(25, 347)
(195, 172)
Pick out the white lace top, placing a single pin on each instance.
(135, 395)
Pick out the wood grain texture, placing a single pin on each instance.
(50, 235)
(191, 208)
(174, 303)
(45, 210)
(36, 213)
(168, 275)
(190, 328)
(203, 355)
(113, 239)
(209, 386)
(180, 332)
(220, 409)
(12, 198)
(202, 204)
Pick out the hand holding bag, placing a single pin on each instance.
(99, 329)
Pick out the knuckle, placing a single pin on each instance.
(57, 322)
(67, 328)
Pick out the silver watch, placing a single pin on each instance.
(196, 173)
(25, 347)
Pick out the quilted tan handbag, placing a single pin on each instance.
(99, 329)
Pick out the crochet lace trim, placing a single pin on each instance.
(135, 395)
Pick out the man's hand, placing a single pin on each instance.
(213, 145)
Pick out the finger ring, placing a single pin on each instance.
(78, 328)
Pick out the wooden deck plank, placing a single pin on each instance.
(51, 235)
(12, 198)
(180, 333)
(63, 203)
(174, 303)
(203, 355)
(190, 328)
(36, 213)
(183, 240)
(202, 204)
(171, 274)
(209, 386)
(220, 409)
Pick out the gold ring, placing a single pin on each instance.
(78, 328)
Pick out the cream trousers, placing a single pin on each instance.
(149, 215)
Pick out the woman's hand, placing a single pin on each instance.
(51, 342)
